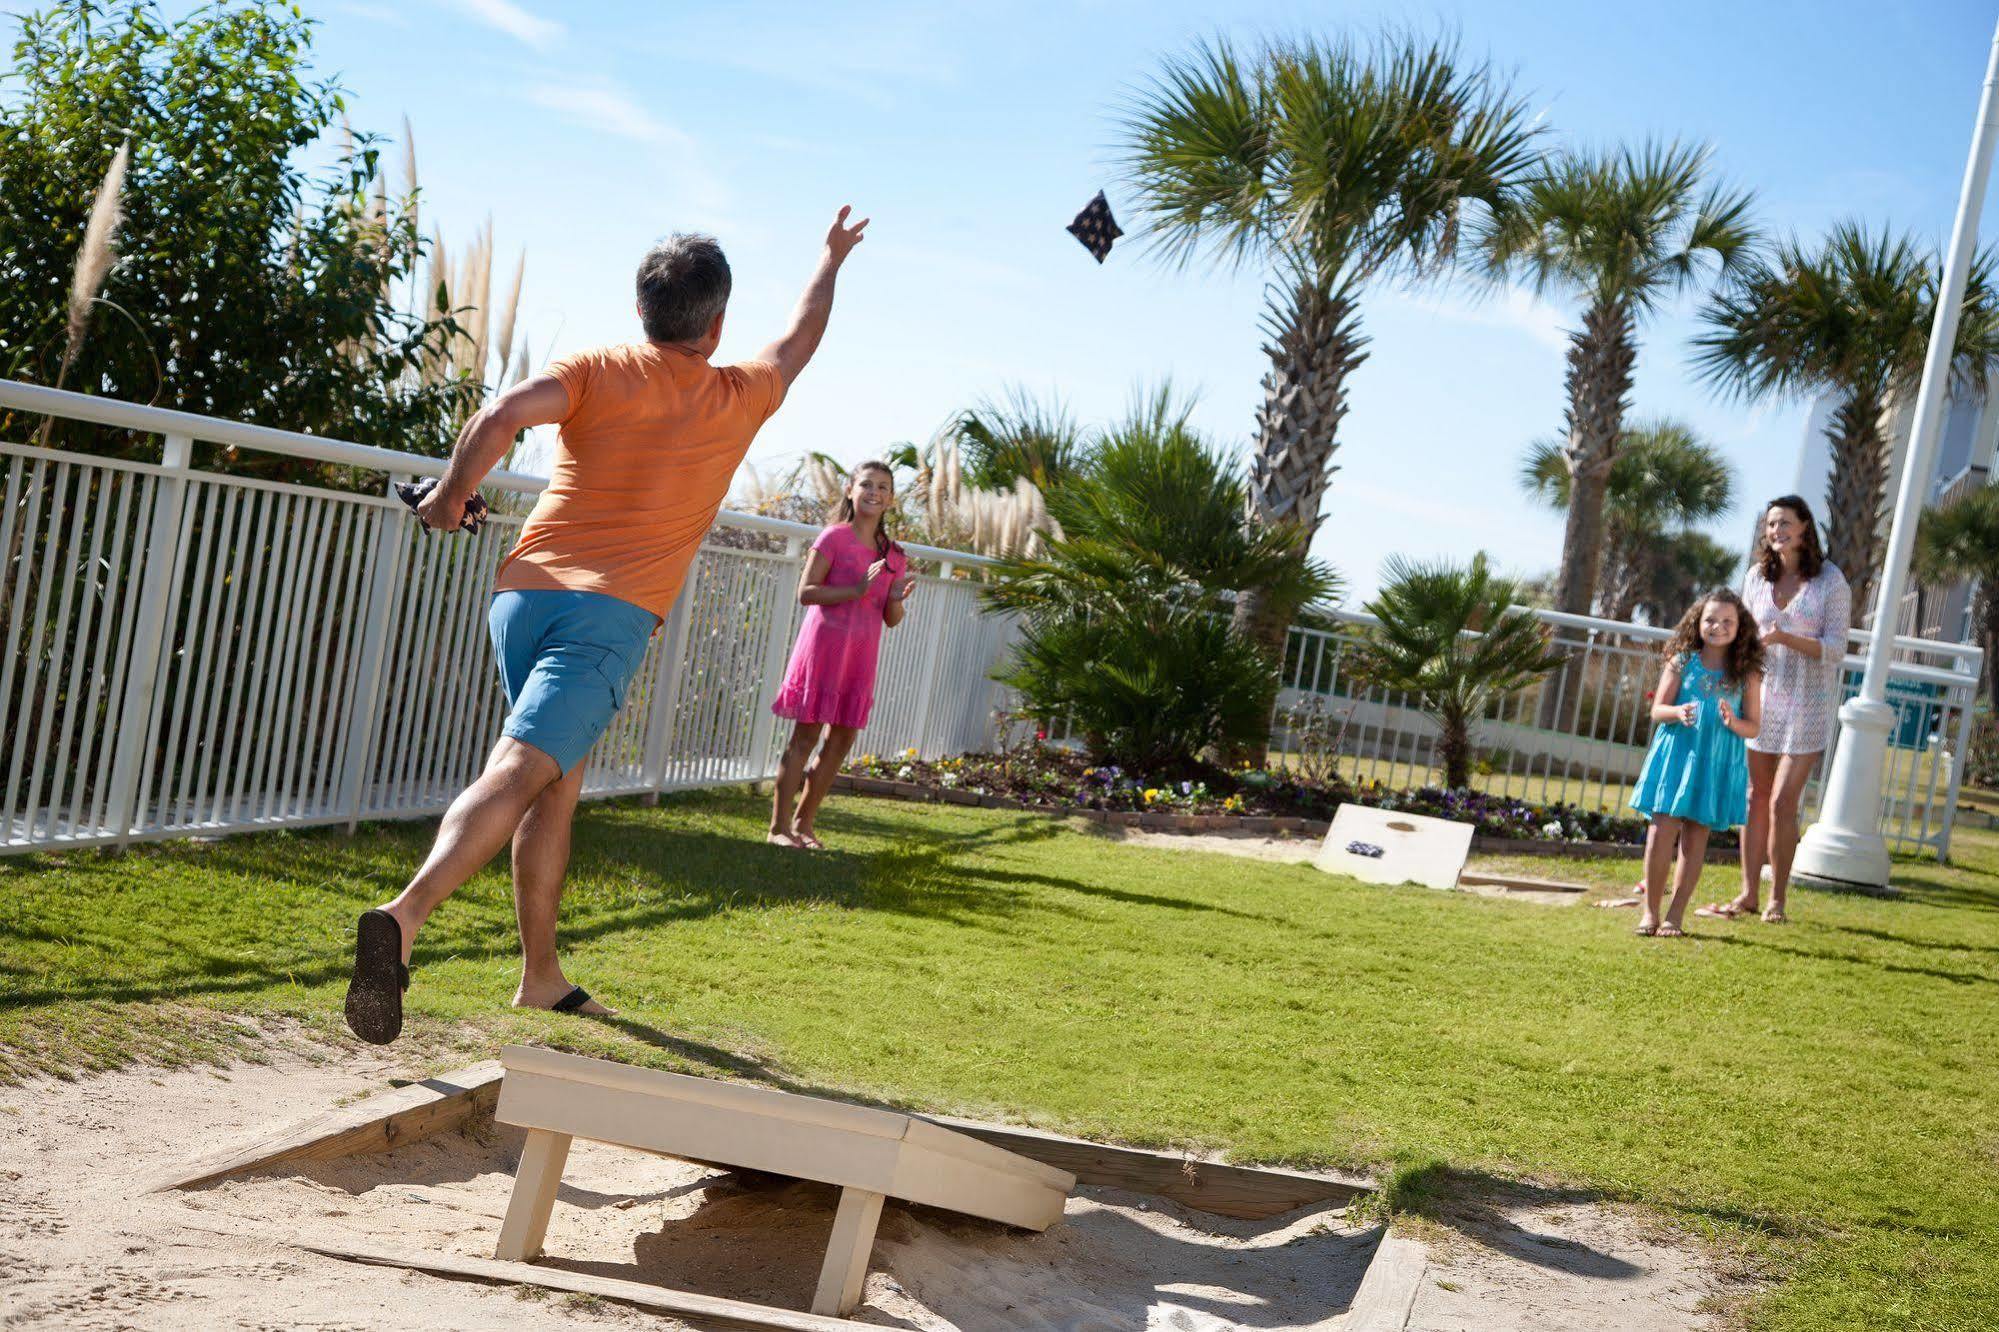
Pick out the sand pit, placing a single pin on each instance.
(83, 1246)
(80, 1246)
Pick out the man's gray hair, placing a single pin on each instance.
(683, 284)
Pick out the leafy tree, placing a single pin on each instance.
(1625, 231)
(1449, 634)
(245, 287)
(1960, 540)
(1331, 165)
(1663, 478)
(1019, 436)
(1850, 317)
(1126, 631)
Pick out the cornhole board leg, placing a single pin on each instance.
(846, 1267)
(535, 1183)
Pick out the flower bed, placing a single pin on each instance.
(1057, 781)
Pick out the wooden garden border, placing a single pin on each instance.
(1262, 824)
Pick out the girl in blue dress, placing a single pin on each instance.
(1696, 776)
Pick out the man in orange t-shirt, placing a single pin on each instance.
(651, 435)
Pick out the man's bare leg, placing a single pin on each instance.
(541, 860)
(819, 777)
(474, 829)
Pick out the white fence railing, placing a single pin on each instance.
(188, 651)
(1601, 713)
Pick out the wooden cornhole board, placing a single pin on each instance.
(1414, 847)
(871, 1154)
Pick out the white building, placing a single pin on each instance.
(1966, 450)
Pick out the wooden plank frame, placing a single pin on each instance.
(448, 1101)
(871, 1154)
(377, 1124)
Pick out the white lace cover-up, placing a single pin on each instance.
(1799, 694)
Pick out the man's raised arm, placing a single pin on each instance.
(808, 322)
(539, 400)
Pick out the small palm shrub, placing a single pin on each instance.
(1125, 631)
(1449, 634)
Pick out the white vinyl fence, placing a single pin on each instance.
(1580, 737)
(188, 652)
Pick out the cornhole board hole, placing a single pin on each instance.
(1414, 848)
(870, 1154)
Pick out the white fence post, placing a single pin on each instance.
(666, 687)
(927, 690)
(777, 650)
(158, 594)
(385, 561)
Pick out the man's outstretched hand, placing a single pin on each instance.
(841, 238)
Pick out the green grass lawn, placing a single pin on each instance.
(1818, 1099)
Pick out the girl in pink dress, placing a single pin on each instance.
(855, 582)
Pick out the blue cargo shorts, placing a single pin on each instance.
(565, 661)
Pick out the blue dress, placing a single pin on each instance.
(1697, 772)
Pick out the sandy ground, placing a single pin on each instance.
(83, 1246)
(1527, 1260)
(1301, 850)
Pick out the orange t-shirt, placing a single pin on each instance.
(652, 439)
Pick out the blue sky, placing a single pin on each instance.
(585, 131)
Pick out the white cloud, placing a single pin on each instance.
(606, 108)
(510, 18)
(375, 14)
(1510, 308)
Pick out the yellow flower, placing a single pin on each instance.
(1151, 794)
(909, 753)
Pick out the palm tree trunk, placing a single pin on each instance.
(1454, 749)
(1315, 343)
(1854, 495)
(1601, 356)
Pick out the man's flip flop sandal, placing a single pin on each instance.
(571, 1002)
(375, 992)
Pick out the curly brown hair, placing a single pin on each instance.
(1811, 555)
(1745, 654)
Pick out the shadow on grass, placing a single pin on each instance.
(1476, 1204)
(1856, 959)
(162, 946)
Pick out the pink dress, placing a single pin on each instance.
(831, 677)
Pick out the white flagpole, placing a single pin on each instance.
(1845, 846)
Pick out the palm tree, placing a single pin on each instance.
(1450, 634)
(1852, 318)
(1328, 165)
(1125, 627)
(1961, 540)
(1625, 231)
(1663, 478)
(1018, 435)
(1682, 566)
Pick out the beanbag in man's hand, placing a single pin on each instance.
(413, 493)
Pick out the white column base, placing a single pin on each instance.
(1845, 847)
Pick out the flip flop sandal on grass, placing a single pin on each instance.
(572, 1002)
(1722, 911)
(375, 992)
